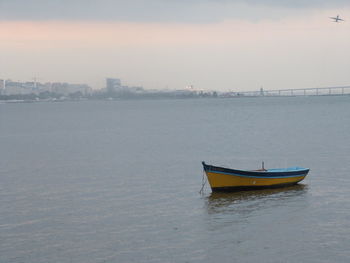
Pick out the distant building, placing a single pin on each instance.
(262, 91)
(82, 88)
(15, 87)
(10, 87)
(113, 85)
(135, 89)
(66, 88)
(2, 86)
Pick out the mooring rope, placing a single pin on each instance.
(204, 181)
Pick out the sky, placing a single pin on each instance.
(225, 45)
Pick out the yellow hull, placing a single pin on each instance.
(224, 181)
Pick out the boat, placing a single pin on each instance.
(226, 179)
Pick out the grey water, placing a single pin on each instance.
(119, 181)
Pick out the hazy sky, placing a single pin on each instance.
(222, 44)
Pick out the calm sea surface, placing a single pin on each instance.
(119, 181)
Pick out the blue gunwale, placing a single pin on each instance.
(271, 173)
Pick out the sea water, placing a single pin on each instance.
(119, 181)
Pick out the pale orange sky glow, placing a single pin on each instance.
(228, 55)
(61, 34)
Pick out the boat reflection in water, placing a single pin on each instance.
(245, 202)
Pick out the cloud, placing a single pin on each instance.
(157, 10)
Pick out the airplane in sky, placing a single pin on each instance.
(336, 19)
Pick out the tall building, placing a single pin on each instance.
(2, 86)
(262, 91)
(113, 85)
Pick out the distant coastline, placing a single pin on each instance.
(32, 98)
(102, 95)
(32, 91)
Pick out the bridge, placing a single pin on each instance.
(324, 91)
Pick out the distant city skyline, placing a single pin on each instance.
(10, 87)
(212, 45)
